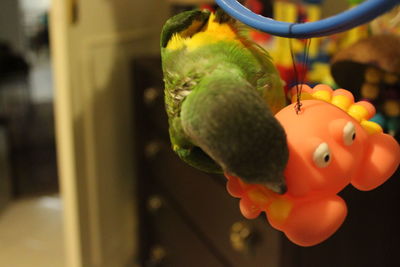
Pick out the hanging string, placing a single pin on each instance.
(299, 80)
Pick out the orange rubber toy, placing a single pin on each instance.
(331, 144)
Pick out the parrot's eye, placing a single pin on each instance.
(322, 155)
(349, 134)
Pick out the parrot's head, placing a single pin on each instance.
(235, 127)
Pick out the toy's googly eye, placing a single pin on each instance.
(349, 133)
(322, 155)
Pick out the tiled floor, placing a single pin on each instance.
(31, 233)
(31, 227)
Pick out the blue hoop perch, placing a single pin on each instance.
(348, 19)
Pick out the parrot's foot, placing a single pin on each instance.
(311, 222)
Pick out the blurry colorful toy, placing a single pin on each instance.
(280, 47)
(370, 68)
(331, 144)
(388, 23)
(264, 8)
(302, 19)
(346, 20)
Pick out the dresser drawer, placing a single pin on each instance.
(149, 95)
(175, 243)
(205, 200)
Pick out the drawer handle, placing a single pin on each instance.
(157, 256)
(150, 95)
(241, 237)
(155, 203)
(152, 149)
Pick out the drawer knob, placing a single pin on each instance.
(154, 203)
(152, 149)
(241, 237)
(150, 95)
(157, 256)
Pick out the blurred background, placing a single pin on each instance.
(87, 176)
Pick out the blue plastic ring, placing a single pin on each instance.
(348, 19)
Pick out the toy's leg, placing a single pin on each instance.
(235, 188)
(249, 209)
(312, 221)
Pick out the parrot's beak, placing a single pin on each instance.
(279, 187)
(276, 187)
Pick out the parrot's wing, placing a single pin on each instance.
(267, 81)
(178, 85)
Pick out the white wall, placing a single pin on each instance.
(32, 9)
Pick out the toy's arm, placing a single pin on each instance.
(381, 161)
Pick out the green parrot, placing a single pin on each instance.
(221, 92)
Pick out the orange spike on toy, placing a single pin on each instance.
(331, 144)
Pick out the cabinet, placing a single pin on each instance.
(5, 181)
